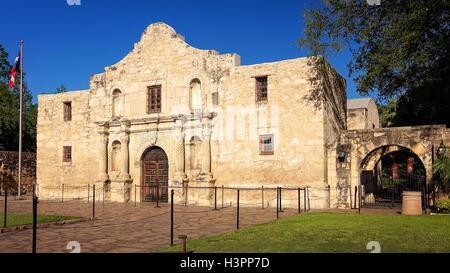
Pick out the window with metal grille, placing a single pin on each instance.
(266, 144)
(154, 99)
(67, 153)
(261, 88)
(67, 111)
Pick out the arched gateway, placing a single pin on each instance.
(359, 153)
(155, 175)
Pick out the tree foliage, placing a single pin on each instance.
(387, 113)
(9, 111)
(61, 89)
(441, 167)
(399, 48)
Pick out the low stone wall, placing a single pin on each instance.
(9, 172)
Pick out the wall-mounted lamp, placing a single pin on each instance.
(441, 149)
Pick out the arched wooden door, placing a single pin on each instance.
(155, 175)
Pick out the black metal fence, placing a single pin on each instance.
(301, 200)
(386, 188)
(221, 195)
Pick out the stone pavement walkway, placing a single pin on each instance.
(122, 227)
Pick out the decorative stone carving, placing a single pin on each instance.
(180, 174)
(124, 168)
(206, 150)
(103, 156)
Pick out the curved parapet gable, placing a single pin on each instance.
(159, 50)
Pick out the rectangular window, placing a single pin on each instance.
(261, 88)
(67, 111)
(154, 99)
(67, 154)
(266, 144)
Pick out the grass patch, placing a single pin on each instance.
(331, 233)
(27, 219)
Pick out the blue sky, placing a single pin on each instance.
(66, 44)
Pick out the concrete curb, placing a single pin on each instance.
(44, 225)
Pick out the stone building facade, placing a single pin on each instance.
(169, 114)
(362, 114)
(217, 122)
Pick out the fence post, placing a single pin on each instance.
(89, 191)
(356, 190)
(392, 198)
(222, 196)
(93, 202)
(171, 217)
(183, 237)
(359, 199)
(298, 197)
(157, 195)
(215, 197)
(237, 214)
(278, 202)
(62, 193)
(309, 202)
(423, 197)
(262, 196)
(6, 206)
(35, 201)
(281, 209)
(304, 199)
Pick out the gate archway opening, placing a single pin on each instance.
(387, 172)
(155, 175)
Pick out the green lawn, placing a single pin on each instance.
(27, 219)
(333, 232)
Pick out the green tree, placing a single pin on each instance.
(441, 167)
(61, 89)
(9, 111)
(387, 113)
(399, 48)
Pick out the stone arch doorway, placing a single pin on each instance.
(389, 170)
(373, 158)
(155, 175)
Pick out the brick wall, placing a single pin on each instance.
(9, 169)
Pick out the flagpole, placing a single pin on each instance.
(20, 123)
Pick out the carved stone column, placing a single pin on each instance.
(124, 167)
(180, 173)
(103, 156)
(203, 197)
(121, 187)
(206, 150)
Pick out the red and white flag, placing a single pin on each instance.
(14, 70)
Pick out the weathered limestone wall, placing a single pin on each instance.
(373, 119)
(335, 120)
(357, 118)
(297, 125)
(366, 117)
(9, 172)
(53, 133)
